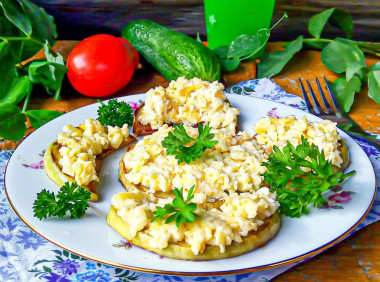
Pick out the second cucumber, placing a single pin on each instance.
(172, 53)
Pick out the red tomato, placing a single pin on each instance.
(100, 65)
(133, 51)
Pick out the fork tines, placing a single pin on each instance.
(317, 108)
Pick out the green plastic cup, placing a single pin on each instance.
(227, 19)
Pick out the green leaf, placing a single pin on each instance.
(14, 12)
(229, 64)
(7, 68)
(29, 49)
(335, 16)
(115, 113)
(242, 48)
(179, 210)
(8, 29)
(345, 91)
(39, 117)
(43, 26)
(30, 24)
(45, 204)
(356, 69)
(49, 74)
(221, 51)
(73, 199)
(70, 198)
(159, 213)
(263, 35)
(176, 143)
(341, 54)
(369, 48)
(296, 188)
(243, 45)
(374, 85)
(313, 43)
(375, 66)
(272, 63)
(20, 87)
(12, 122)
(50, 57)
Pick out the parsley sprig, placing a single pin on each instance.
(179, 210)
(115, 113)
(297, 189)
(185, 148)
(70, 198)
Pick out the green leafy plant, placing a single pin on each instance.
(341, 55)
(115, 113)
(296, 188)
(70, 198)
(179, 210)
(244, 47)
(24, 30)
(185, 148)
(272, 63)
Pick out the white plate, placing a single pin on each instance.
(92, 238)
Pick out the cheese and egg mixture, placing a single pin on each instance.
(189, 102)
(234, 219)
(233, 165)
(80, 145)
(276, 132)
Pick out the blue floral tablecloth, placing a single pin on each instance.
(25, 256)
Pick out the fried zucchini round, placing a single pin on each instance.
(54, 169)
(182, 250)
(140, 129)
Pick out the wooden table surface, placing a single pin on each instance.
(356, 258)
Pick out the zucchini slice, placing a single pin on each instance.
(182, 250)
(54, 169)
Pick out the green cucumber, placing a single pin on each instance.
(172, 53)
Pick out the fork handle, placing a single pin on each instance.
(369, 139)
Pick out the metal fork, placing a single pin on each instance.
(338, 115)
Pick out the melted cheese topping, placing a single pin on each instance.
(324, 134)
(234, 165)
(189, 102)
(80, 145)
(239, 215)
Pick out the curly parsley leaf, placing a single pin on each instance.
(299, 182)
(45, 204)
(185, 148)
(179, 210)
(71, 198)
(115, 113)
